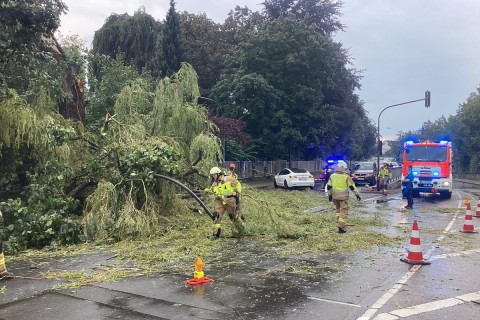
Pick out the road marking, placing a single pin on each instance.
(337, 302)
(429, 306)
(389, 294)
(456, 254)
(399, 284)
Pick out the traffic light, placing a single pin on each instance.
(379, 147)
(427, 99)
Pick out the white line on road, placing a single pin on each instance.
(397, 286)
(454, 254)
(429, 306)
(337, 302)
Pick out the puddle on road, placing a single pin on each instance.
(256, 281)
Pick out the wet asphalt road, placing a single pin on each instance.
(370, 284)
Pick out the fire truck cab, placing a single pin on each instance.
(431, 165)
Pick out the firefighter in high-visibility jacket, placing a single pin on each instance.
(338, 188)
(225, 189)
(385, 175)
(238, 197)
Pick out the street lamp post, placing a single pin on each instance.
(379, 142)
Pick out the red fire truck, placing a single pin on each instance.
(431, 165)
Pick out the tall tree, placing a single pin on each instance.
(32, 59)
(134, 37)
(322, 14)
(172, 52)
(277, 80)
(465, 134)
(205, 48)
(24, 27)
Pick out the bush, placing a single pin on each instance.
(42, 216)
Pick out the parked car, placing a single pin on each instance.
(294, 178)
(364, 173)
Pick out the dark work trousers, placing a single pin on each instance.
(410, 197)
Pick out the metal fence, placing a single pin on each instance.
(267, 169)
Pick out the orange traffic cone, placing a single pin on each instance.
(468, 225)
(198, 275)
(477, 213)
(415, 255)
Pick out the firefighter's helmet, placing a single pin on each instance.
(232, 166)
(215, 170)
(341, 166)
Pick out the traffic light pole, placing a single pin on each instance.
(379, 142)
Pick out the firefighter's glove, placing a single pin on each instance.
(330, 198)
(358, 197)
(215, 216)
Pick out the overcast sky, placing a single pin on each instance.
(404, 47)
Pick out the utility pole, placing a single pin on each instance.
(379, 142)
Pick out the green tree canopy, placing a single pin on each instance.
(205, 48)
(322, 14)
(24, 27)
(285, 80)
(171, 45)
(134, 37)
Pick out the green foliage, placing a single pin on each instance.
(61, 134)
(143, 162)
(44, 215)
(150, 133)
(465, 134)
(205, 47)
(24, 26)
(18, 123)
(323, 15)
(111, 77)
(134, 102)
(291, 86)
(171, 45)
(76, 53)
(134, 38)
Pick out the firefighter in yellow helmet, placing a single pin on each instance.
(4, 274)
(338, 189)
(225, 189)
(385, 175)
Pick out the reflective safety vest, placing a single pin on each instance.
(227, 187)
(385, 172)
(341, 182)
